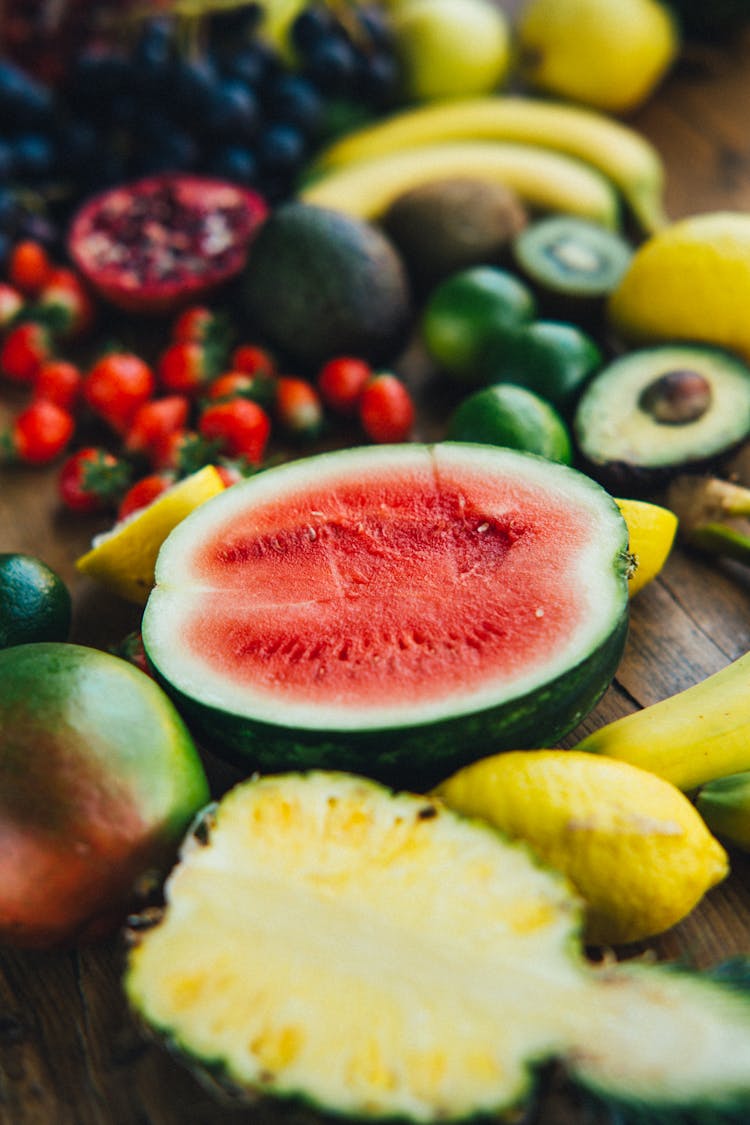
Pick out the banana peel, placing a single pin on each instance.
(692, 738)
(617, 151)
(547, 180)
(724, 805)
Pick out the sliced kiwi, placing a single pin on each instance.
(657, 411)
(573, 263)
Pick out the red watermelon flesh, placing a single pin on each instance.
(368, 587)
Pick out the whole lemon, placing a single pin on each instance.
(450, 48)
(609, 54)
(691, 281)
(630, 843)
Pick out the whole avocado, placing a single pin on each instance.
(319, 283)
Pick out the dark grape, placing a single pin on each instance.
(312, 26)
(98, 76)
(377, 79)
(164, 146)
(9, 209)
(374, 23)
(331, 65)
(233, 111)
(235, 25)
(281, 149)
(295, 101)
(7, 162)
(235, 162)
(24, 102)
(194, 84)
(33, 155)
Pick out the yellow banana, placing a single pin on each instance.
(691, 738)
(547, 180)
(724, 804)
(621, 154)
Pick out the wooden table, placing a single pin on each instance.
(69, 1053)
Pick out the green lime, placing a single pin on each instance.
(465, 308)
(35, 603)
(508, 415)
(549, 357)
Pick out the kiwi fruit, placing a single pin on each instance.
(572, 263)
(448, 225)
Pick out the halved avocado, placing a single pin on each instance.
(657, 411)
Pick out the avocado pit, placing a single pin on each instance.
(677, 397)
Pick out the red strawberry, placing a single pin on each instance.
(66, 305)
(154, 422)
(341, 382)
(38, 435)
(386, 410)
(298, 407)
(240, 427)
(24, 350)
(92, 480)
(187, 367)
(59, 381)
(116, 386)
(29, 267)
(144, 492)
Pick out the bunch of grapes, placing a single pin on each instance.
(229, 106)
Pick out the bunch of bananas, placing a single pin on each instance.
(556, 156)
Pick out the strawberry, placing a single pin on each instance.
(65, 305)
(260, 387)
(116, 386)
(38, 434)
(23, 351)
(11, 303)
(187, 367)
(153, 423)
(341, 381)
(29, 267)
(59, 381)
(144, 492)
(386, 410)
(298, 408)
(92, 480)
(251, 359)
(240, 427)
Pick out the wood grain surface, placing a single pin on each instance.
(69, 1052)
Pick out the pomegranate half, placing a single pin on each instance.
(154, 245)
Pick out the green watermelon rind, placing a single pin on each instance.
(419, 755)
(409, 751)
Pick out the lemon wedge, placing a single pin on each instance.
(124, 558)
(651, 532)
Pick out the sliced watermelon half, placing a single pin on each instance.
(395, 611)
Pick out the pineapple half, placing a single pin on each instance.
(379, 955)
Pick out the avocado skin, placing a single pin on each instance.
(319, 284)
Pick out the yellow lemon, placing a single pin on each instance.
(651, 533)
(691, 281)
(123, 559)
(609, 54)
(630, 843)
